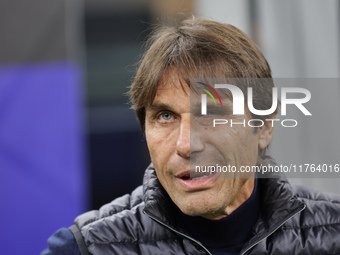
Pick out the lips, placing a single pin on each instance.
(193, 175)
(192, 180)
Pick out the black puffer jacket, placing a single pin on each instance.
(292, 222)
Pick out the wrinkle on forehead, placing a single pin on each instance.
(172, 77)
(187, 78)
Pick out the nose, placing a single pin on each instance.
(183, 141)
(189, 140)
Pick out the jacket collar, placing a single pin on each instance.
(158, 204)
(278, 204)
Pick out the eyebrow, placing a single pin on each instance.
(198, 105)
(160, 106)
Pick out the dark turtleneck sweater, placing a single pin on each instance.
(228, 235)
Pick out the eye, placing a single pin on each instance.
(165, 117)
(213, 113)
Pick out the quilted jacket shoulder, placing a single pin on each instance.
(293, 221)
(315, 230)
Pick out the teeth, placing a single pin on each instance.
(200, 177)
(196, 176)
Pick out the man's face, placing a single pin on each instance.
(179, 139)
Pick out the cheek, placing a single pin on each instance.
(252, 147)
(160, 147)
(241, 143)
(152, 143)
(228, 139)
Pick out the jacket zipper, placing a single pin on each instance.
(251, 246)
(177, 232)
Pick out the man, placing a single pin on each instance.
(179, 210)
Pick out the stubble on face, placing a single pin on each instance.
(175, 140)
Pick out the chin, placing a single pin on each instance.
(196, 209)
(192, 211)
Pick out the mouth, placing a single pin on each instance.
(192, 175)
(191, 180)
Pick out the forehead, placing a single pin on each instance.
(171, 87)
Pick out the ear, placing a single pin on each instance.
(266, 132)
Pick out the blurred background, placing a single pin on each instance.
(68, 140)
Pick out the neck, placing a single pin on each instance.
(227, 234)
(237, 200)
